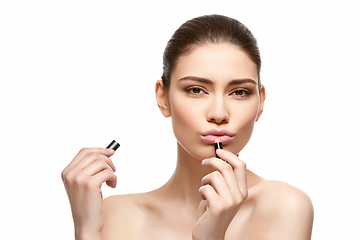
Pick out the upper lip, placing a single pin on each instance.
(218, 132)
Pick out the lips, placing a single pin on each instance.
(215, 135)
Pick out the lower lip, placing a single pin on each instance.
(215, 138)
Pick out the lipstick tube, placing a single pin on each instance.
(113, 145)
(217, 145)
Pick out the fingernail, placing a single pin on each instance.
(220, 150)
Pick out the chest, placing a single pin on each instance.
(175, 224)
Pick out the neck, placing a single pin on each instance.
(186, 180)
(183, 186)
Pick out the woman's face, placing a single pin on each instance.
(213, 96)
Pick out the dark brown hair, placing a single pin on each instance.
(205, 30)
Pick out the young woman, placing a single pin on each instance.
(211, 90)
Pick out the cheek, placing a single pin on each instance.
(184, 119)
(246, 116)
(244, 120)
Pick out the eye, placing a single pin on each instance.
(240, 93)
(195, 90)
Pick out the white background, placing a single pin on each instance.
(80, 73)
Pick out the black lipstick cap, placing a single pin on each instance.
(113, 145)
(217, 145)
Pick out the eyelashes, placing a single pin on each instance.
(195, 90)
(237, 93)
(241, 92)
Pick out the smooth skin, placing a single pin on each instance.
(215, 86)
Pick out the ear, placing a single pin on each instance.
(162, 99)
(262, 100)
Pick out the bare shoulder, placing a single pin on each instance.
(282, 191)
(137, 202)
(117, 202)
(280, 199)
(288, 210)
(123, 214)
(128, 216)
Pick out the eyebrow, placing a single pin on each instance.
(208, 81)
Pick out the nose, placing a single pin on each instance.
(218, 112)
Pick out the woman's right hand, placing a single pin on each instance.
(223, 192)
(83, 178)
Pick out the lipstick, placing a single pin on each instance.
(113, 145)
(217, 145)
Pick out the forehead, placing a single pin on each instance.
(219, 62)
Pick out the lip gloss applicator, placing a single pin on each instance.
(217, 145)
(113, 145)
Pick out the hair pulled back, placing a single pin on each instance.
(208, 29)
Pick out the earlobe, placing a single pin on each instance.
(258, 116)
(161, 99)
(262, 100)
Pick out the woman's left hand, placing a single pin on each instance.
(223, 191)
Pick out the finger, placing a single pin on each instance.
(208, 193)
(86, 151)
(217, 181)
(239, 167)
(214, 201)
(92, 176)
(92, 156)
(226, 171)
(105, 176)
(96, 167)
